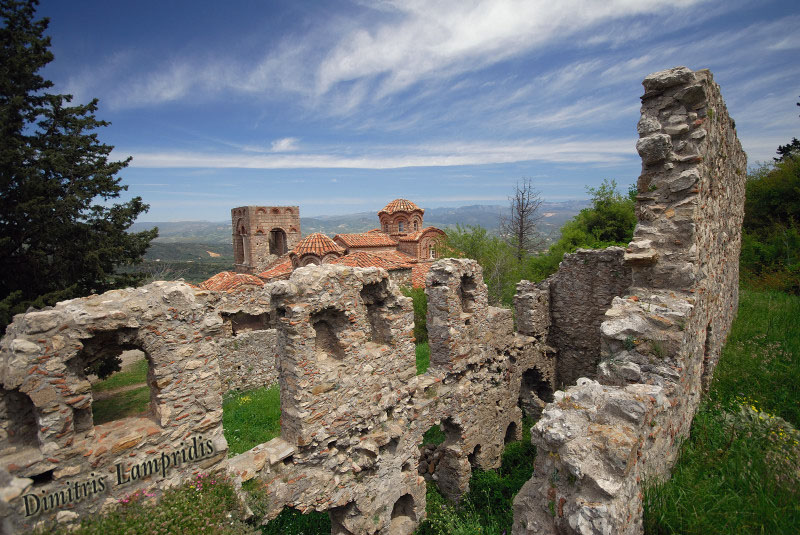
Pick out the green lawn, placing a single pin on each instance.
(251, 418)
(136, 374)
(121, 405)
(738, 471)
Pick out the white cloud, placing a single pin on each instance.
(286, 144)
(442, 155)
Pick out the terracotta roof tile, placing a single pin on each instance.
(228, 281)
(366, 239)
(277, 270)
(364, 259)
(418, 273)
(317, 244)
(400, 205)
(415, 236)
(397, 257)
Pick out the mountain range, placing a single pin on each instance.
(487, 216)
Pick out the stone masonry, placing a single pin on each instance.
(338, 340)
(661, 338)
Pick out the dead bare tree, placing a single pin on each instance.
(519, 227)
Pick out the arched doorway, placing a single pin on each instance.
(277, 241)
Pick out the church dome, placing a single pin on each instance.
(400, 205)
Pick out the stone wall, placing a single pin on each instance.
(580, 293)
(353, 409)
(54, 461)
(662, 338)
(354, 412)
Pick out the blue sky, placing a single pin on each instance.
(342, 106)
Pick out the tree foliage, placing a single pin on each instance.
(609, 221)
(771, 230)
(60, 237)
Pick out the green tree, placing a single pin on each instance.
(771, 229)
(60, 236)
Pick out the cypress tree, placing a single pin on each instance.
(60, 236)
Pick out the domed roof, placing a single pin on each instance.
(400, 205)
(317, 244)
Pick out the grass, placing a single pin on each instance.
(423, 357)
(737, 472)
(136, 374)
(121, 405)
(251, 418)
(126, 403)
(487, 507)
(205, 504)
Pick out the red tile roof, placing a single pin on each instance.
(397, 257)
(374, 230)
(366, 239)
(228, 281)
(317, 244)
(364, 259)
(400, 205)
(415, 236)
(279, 269)
(418, 273)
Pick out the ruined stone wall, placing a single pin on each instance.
(354, 411)
(661, 339)
(402, 277)
(55, 462)
(580, 293)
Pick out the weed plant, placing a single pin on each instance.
(206, 504)
(737, 472)
(251, 418)
(420, 303)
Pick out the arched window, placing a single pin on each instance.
(431, 251)
(416, 226)
(386, 228)
(401, 226)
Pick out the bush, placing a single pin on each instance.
(771, 230)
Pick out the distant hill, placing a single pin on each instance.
(215, 236)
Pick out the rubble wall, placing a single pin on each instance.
(580, 293)
(65, 465)
(660, 340)
(354, 411)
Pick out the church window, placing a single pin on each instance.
(401, 226)
(431, 251)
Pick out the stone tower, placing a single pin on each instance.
(263, 233)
